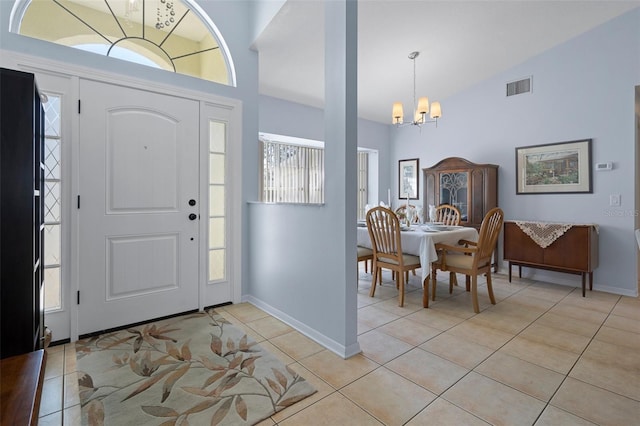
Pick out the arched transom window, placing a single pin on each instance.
(175, 35)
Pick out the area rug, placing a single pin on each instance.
(196, 369)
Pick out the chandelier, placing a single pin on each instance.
(420, 108)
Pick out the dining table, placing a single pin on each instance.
(420, 240)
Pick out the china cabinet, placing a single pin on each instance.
(472, 188)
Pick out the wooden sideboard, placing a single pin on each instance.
(575, 252)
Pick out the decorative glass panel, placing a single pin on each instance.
(216, 200)
(52, 202)
(52, 245)
(216, 232)
(52, 116)
(216, 265)
(52, 290)
(454, 190)
(52, 158)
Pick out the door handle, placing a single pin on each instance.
(193, 216)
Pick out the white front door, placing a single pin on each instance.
(138, 224)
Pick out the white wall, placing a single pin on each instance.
(582, 89)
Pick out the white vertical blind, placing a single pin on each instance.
(295, 174)
(292, 173)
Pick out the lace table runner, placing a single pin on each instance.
(544, 234)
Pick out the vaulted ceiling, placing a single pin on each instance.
(461, 43)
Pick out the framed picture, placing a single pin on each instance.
(408, 181)
(563, 167)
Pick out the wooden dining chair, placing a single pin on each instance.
(471, 258)
(448, 215)
(384, 231)
(365, 255)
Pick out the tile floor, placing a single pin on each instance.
(543, 355)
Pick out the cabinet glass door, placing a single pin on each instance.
(454, 191)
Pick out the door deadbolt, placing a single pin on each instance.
(192, 202)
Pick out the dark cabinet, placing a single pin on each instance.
(472, 188)
(21, 214)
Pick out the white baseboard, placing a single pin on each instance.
(335, 347)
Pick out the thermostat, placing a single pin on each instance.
(604, 166)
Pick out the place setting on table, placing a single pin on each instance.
(419, 239)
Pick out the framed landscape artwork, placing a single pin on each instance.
(563, 167)
(408, 181)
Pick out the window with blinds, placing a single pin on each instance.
(294, 173)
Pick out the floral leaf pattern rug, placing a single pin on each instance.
(196, 369)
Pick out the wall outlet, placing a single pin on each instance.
(614, 200)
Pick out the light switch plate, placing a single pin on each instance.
(614, 200)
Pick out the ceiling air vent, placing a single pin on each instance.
(518, 87)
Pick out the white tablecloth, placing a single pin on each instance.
(422, 244)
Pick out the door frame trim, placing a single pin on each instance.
(75, 72)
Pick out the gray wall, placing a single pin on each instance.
(582, 89)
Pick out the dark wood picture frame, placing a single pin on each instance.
(554, 168)
(409, 178)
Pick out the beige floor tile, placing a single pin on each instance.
(579, 313)
(614, 355)
(54, 365)
(296, 345)
(517, 310)
(616, 336)
(559, 322)
(71, 391)
(540, 354)
(564, 340)
(480, 334)
(364, 299)
(322, 391)
(549, 293)
(494, 402)
(335, 409)
(52, 396)
(464, 353)
(553, 416)
(409, 331)
(69, 358)
(381, 347)
(623, 323)
(336, 371)
(534, 304)
(461, 305)
(54, 348)
(628, 307)
(53, 419)
(441, 412)
(521, 375)
(596, 404)
(373, 317)
(72, 416)
(608, 376)
(363, 328)
(245, 312)
(435, 319)
(427, 370)
(389, 397)
(269, 327)
(593, 300)
(391, 306)
(507, 323)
